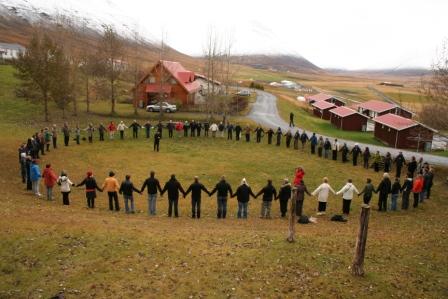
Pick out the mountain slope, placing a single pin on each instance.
(278, 62)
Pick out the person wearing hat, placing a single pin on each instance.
(35, 176)
(243, 193)
(284, 194)
(121, 127)
(322, 192)
(65, 183)
(50, 179)
(111, 186)
(91, 187)
(196, 189)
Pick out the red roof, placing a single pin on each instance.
(377, 106)
(323, 105)
(343, 111)
(319, 97)
(155, 88)
(183, 76)
(395, 121)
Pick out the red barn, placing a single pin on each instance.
(348, 119)
(376, 108)
(324, 97)
(401, 132)
(322, 109)
(170, 78)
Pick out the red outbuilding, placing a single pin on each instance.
(170, 79)
(348, 119)
(374, 108)
(324, 97)
(402, 132)
(322, 109)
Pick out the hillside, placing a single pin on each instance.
(280, 62)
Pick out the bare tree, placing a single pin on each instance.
(135, 66)
(111, 53)
(434, 112)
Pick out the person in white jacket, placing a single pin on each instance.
(121, 127)
(322, 192)
(347, 195)
(65, 183)
(214, 129)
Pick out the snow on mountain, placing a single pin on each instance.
(92, 14)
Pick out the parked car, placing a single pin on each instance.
(243, 93)
(167, 107)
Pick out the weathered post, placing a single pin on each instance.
(358, 260)
(292, 217)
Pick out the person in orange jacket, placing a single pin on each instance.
(417, 188)
(50, 179)
(111, 186)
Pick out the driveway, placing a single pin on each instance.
(264, 111)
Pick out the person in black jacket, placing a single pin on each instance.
(196, 189)
(127, 189)
(288, 138)
(355, 152)
(365, 158)
(223, 190)
(243, 193)
(304, 138)
(269, 193)
(259, 133)
(193, 128)
(238, 130)
(153, 186)
(399, 162)
(148, 129)
(284, 194)
(383, 189)
(135, 127)
(229, 131)
(412, 166)
(406, 190)
(270, 133)
(198, 129)
(157, 137)
(279, 136)
(173, 187)
(170, 127)
(91, 187)
(387, 162)
(206, 128)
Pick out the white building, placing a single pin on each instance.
(10, 51)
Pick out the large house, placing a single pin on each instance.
(169, 79)
(10, 51)
(322, 109)
(376, 108)
(401, 132)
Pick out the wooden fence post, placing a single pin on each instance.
(358, 260)
(292, 217)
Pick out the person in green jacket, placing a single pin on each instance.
(377, 161)
(367, 191)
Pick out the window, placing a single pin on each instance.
(152, 79)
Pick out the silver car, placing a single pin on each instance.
(167, 107)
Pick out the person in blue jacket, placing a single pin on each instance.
(35, 176)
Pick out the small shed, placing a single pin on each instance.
(324, 97)
(401, 132)
(348, 119)
(322, 109)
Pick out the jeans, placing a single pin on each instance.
(90, 196)
(35, 187)
(242, 209)
(152, 199)
(127, 199)
(266, 209)
(49, 193)
(222, 206)
(422, 195)
(393, 204)
(196, 208)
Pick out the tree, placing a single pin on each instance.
(434, 112)
(135, 67)
(111, 53)
(63, 84)
(34, 68)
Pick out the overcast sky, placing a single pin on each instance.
(352, 34)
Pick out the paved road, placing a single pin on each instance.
(264, 111)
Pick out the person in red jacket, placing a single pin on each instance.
(50, 179)
(112, 129)
(298, 176)
(417, 188)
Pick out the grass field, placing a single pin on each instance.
(47, 248)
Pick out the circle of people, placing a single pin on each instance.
(418, 181)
